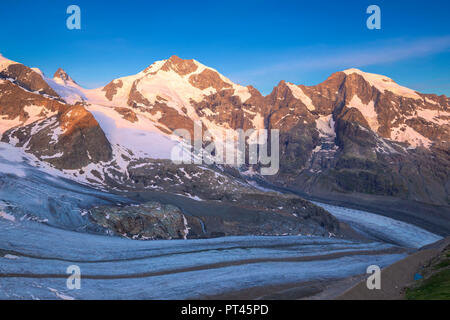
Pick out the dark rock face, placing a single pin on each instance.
(208, 78)
(148, 221)
(111, 89)
(28, 79)
(135, 98)
(70, 140)
(127, 114)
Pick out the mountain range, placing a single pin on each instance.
(357, 138)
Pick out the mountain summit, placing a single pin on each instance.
(62, 76)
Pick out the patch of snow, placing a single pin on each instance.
(10, 257)
(185, 173)
(6, 124)
(407, 134)
(141, 137)
(242, 92)
(56, 133)
(155, 66)
(433, 115)
(300, 95)
(367, 110)
(35, 113)
(140, 165)
(431, 101)
(384, 147)
(186, 228)
(258, 122)
(38, 71)
(38, 126)
(6, 216)
(57, 155)
(61, 295)
(188, 195)
(250, 172)
(325, 125)
(383, 83)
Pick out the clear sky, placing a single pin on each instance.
(253, 42)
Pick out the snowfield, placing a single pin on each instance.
(142, 137)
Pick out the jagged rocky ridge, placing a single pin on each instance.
(355, 133)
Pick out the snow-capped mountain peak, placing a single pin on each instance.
(383, 83)
(66, 87)
(62, 77)
(4, 62)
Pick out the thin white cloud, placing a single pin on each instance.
(358, 56)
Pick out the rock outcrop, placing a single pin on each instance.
(27, 79)
(69, 140)
(148, 221)
(254, 214)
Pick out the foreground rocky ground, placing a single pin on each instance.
(399, 280)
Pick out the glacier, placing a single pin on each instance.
(44, 230)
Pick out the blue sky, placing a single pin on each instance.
(251, 42)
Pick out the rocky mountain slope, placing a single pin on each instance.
(359, 132)
(355, 133)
